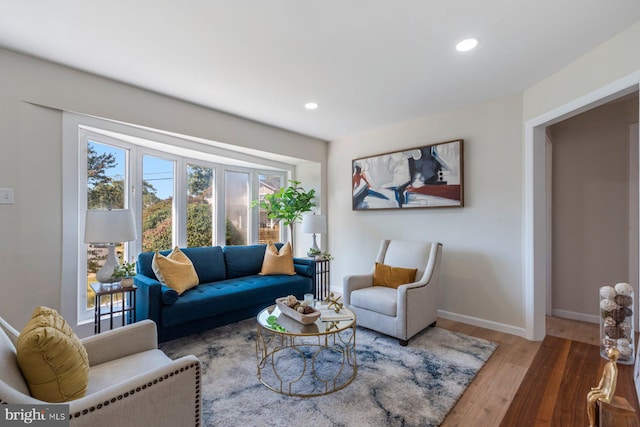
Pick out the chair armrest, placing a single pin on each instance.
(169, 395)
(121, 342)
(413, 285)
(353, 283)
(11, 332)
(12, 396)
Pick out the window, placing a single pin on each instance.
(200, 206)
(269, 229)
(237, 207)
(157, 203)
(174, 190)
(106, 176)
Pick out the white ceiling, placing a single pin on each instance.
(367, 63)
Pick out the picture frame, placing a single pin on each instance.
(429, 176)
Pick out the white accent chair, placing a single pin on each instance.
(403, 312)
(131, 382)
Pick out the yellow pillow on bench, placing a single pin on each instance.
(175, 270)
(392, 277)
(52, 359)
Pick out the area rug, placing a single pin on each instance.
(415, 385)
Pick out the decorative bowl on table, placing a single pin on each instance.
(305, 319)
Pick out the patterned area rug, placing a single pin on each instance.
(415, 385)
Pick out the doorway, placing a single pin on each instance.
(536, 267)
(592, 207)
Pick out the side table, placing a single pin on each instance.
(126, 307)
(322, 279)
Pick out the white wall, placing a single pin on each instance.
(481, 269)
(616, 58)
(33, 94)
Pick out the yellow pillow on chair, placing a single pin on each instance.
(52, 359)
(392, 277)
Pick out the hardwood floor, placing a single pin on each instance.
(488, 397)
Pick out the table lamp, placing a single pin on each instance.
(109, 227)
(314, 224)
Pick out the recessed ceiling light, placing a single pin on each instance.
(311, 106)
(466, 45)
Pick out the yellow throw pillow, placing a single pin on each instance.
(52, 359)
(175, 270)
(278, 262)
(392, 277)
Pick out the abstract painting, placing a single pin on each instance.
(423, 177)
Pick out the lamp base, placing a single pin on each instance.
(314, 249)
(105, 274)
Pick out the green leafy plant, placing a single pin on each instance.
(287, 204)
(127, 269)
(325, 256)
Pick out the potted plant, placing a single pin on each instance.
(287, 204)
(319, 255)
(125, 273)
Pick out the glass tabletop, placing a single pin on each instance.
(329, 322)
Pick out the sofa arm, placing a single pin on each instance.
(148, 298)
(170, 395)
(121, 342)
(305, 267)
(353, 283)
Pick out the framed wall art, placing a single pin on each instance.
(430, 176)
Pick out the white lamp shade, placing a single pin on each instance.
(314, 224)
(109, 226)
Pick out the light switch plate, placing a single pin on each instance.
(6, 196)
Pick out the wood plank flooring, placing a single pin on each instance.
(554, 390)
(486, 401)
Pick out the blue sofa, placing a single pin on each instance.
(230, 289)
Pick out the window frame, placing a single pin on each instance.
(75, 129)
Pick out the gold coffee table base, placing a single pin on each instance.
(306, 361)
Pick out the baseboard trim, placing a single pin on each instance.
(475, 321)
(483, 323)
(566, 314)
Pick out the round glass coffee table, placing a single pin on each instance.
(306, 360)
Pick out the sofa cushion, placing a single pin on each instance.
(208, 262)
(278, 262)
(120, 370)
(243, 261)
(392, 277)
(379, 299)
(212, 299)
(52, 359)
(175, 270)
